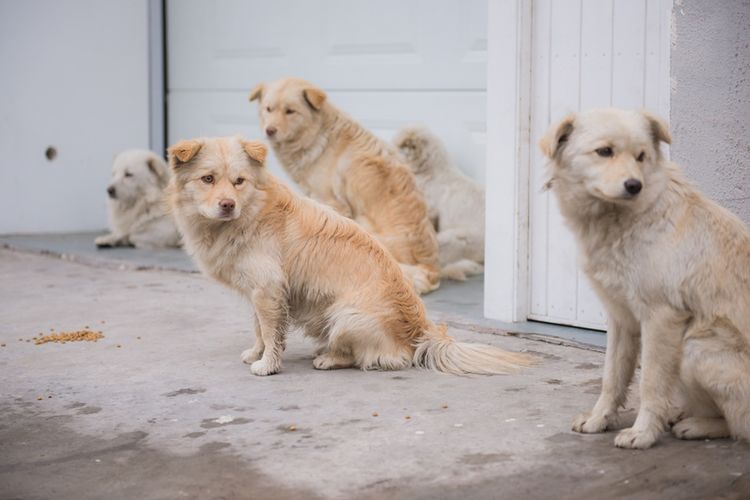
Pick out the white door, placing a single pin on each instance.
(387, 63)
(585, 53)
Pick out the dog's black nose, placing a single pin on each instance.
(226, 205)
(633, 186)
(111, 191)
(270, 131)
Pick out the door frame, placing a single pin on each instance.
(506, 278)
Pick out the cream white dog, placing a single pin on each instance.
(302, 264)
(672, 269)
(455, 202)
(338, 162)
(137, 210)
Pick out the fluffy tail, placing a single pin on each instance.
(435, 350)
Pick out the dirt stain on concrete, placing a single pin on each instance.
(89, 410)
(485, 458)
(180, 392)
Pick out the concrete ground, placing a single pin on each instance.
(161, 407)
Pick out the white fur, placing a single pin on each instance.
(671, 267)
(137, 211)
(455, 202)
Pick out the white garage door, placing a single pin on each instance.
(586, 53)
(387, 63)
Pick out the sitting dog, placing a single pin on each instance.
(672, 269)
(339, 163)
(302, 264)
(455, 203)
(137, 215)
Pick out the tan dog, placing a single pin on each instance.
(300, 263)
(339, 163)
(455, 202)
(672, 269)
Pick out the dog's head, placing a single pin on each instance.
(609, 154)
(137, 174)
(418, 146)
(289, 110)
(217, 178)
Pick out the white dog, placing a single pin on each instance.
(137, 210)
(672, 269)
(455, 202)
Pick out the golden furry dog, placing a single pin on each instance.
(301, 264)
(339, 163)
(672, 269)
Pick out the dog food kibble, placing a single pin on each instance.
(63, 337)
(407, 417)
(39, 398)
(374, 414)
(292, 428)
(2, 345)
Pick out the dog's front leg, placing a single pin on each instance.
(271, 311)
(619, 364)
(660, 361)
(253, 354)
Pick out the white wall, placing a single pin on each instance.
(74, 76)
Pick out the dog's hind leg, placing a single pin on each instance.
(253, 354)
(458, 244)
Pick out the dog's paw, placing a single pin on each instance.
(590, 423)
(635, 439)
(328, 361)
(264, 367)
(105, 241)
(249, 356)
(700, 428)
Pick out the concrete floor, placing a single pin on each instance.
(163, 408)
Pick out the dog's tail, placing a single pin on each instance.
(435, 350)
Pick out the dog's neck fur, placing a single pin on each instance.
(337, 130)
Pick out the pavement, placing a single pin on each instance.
(161, 407)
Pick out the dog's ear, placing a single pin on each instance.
(256, 150)
(556, 136)
(314, 97)
(156, 166)
(257, 92)
(659, 128)
(183, 152)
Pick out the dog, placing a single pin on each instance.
(302, 264)
(337, 162)
(137, 212)
(455, 203)
(672, 269)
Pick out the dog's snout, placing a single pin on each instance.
(226, 205)
(111, 191)
(633, 186)
(270, 131)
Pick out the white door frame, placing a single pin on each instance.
(506, 282)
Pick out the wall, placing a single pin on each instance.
(710, 101)
(75, 76)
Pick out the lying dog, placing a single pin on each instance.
(455, 203)
(672, 269)
(137, 215)
(339, 163)
(301, 264)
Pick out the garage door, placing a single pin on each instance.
(386, 63)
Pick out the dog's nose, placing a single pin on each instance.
(226, 205)
(633, 186)
(270, 131)
(111, 191)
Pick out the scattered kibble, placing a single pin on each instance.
(63, 337)
(39, 398)
(407, 417)
(292, 428)
(445, 406)
(118, 346)
(374, 414)
(138, 338)
(2, 345)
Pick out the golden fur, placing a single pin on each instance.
(339, 163)
(672, 269)
(301, 264)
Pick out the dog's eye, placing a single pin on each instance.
(268, 108)
(239, 181)
(641, 156)
(128, 174)
(289, 111)
(208, 179)
(605, 152)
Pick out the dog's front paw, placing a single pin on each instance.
(635, 438)
(104, 241)
(265, 366)
(249, 356)
(591, 423)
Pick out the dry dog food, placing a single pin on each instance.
(62, 337)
